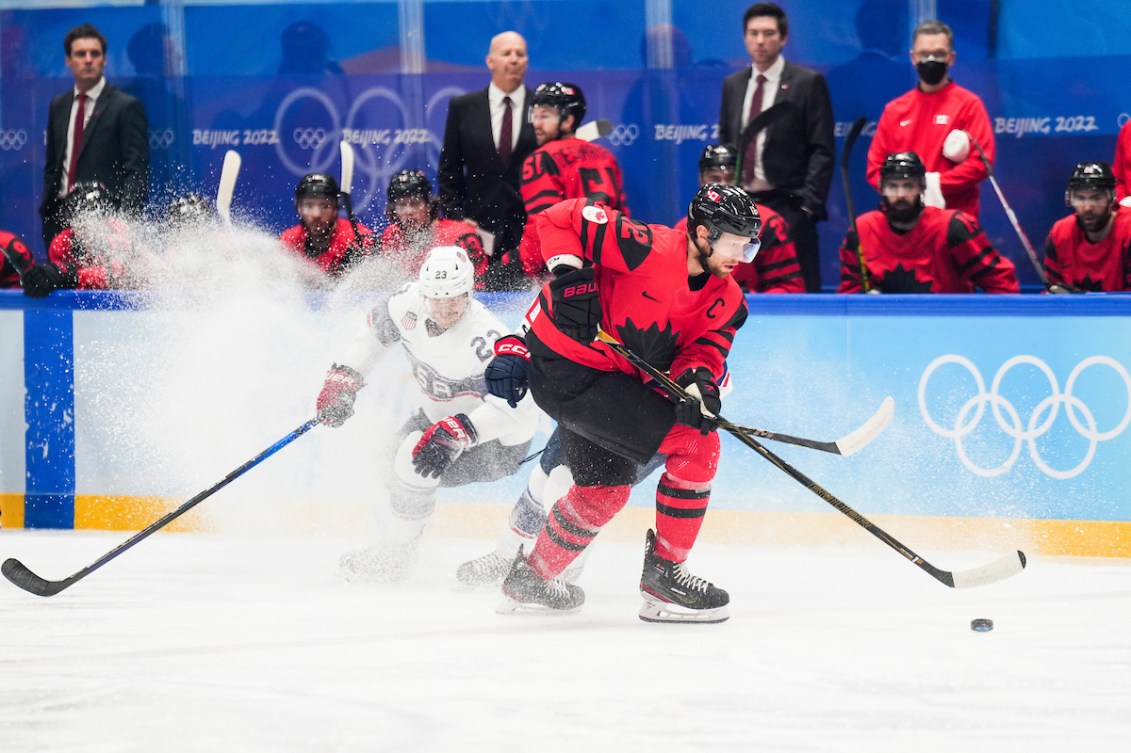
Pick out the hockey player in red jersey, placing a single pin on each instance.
(563, 166)
(95, 252)
(775, 269)
(1090, 249)
(912, 248)
(322, 236)
(15, 262)
(416, 228)
(670, 298)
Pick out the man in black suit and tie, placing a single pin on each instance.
(486, 139)
(787, 166)
(95, 133)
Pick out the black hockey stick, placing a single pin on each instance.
(1011, 215)
(17, 572)
(761, 122)
(845, 159)
(1006, 566)
(346, 188)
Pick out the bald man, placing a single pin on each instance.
(486, 139)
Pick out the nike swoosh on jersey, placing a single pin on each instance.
(905, 122)
(650, 298)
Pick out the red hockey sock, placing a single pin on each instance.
(684, 490)
(573, 522)
(680, 508)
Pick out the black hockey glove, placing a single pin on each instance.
(702, 404)
(41, 279)
(577, 304)
(442, 443)
(506, 375)
(335, 401)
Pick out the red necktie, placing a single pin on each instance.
(752, 148)
(76, 142)
(506, 133)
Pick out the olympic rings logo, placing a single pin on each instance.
(624, 134)
(1039, 422)
(12, 139)
(162, 139)
(310, 138)
(377, 122)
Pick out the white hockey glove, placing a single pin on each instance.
(956, 148)
(933, 197)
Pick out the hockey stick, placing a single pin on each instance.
(594, 130)
(1011, 215)
(228, 175)
(1004, 567)
(849, 444)
(17, 572)
(346, 186)
(845, 159)
(761, 122)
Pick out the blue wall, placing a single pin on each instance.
(215, 77)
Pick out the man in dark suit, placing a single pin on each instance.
(108, 145)
(787, 166)
(486, 139)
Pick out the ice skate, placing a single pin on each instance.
(526, 591)
(380, 564)
(482, 572)
(672, 594)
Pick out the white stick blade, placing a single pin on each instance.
(594, 130)
(228, 176)
(1006, 567)
(347, 167)
(869, 430)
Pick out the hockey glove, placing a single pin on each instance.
(335, 401)
(702, 404)
(577, 304)
(41, 279)
(506, 375)
(442, 443)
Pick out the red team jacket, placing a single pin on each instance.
(920, 122)
(946, 252)
(1105, 266)
(565, 169)
(343, 245)
(775, 268)
(1122, 164)
(647, 300)
(13, 246)
(409, 253)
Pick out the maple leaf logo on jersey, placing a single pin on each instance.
(594, 214)
(903, 280)
(654, 345)
(1087, 283)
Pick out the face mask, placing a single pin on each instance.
(931, 71)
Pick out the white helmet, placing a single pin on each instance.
(446, 273)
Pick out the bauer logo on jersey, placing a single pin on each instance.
(595, 214)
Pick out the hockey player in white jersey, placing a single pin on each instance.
(461, 434)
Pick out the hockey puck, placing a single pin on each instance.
(981, 625)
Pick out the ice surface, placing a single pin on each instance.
(195, 642)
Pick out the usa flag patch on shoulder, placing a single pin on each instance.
(408, 321)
